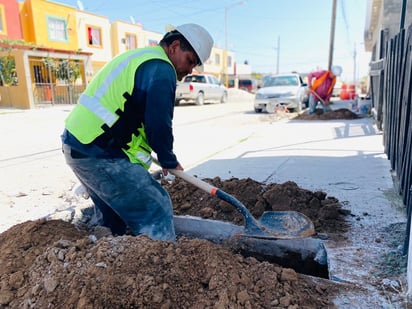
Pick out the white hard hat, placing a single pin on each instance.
(198, 37)
(336, 70)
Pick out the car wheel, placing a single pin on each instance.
(305, 105)
(258, 110)
(223, 99)
(200, 100)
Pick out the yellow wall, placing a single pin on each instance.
(96, 65)
(37, 12)
(114, 31)
(27, 21)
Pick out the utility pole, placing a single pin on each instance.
(277, 48)
(354, 65)
(332, 34)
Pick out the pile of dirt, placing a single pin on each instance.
(56, 264)
(326, 212)
(53, 264)
(341, 113)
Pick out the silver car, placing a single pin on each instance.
(281, 91)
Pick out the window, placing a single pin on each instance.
(214, 80)
(283, 81)
(131, 41)
(217, 59)
(152, 42)
(229, 61)
(57, 29)
(94, 37)
(38, 74)
(3, 29)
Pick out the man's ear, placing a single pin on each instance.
(175, 44)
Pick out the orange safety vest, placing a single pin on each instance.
(319, 81)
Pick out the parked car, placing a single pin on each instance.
(246, 84)
(282, 90)
(200, 88)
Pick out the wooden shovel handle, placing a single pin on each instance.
(194, 181)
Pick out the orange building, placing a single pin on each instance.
(10, 20)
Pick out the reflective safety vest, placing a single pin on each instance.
(319, 81)
(103, 108)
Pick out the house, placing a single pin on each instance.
(383, 21)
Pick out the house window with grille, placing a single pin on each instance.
(131, 41)
(57, 29)
(94, 36)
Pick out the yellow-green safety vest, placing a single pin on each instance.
(98, 106)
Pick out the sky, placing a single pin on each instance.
(297, 32)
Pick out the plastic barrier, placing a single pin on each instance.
(347, 92)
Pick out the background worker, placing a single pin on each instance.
(320, 85)
(123, 115)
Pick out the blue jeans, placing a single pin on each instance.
(126, 194)
(313, 102)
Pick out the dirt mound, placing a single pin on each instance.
(57, 264)
(341, 113)
(52, 264)
(326, 212)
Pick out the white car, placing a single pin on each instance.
(281, 91)
(200, 88)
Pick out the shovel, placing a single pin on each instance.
(272, 224)
(319, 98)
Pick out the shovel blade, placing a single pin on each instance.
(279, 225)
(288, 223)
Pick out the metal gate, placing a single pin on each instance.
(56, 81)
(392, 94)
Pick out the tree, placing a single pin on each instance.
(66, 71)
(8, 73)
